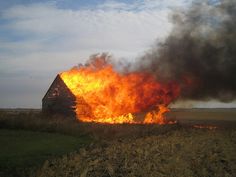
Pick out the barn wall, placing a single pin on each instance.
(59, 99)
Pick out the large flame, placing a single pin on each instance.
(107, 96)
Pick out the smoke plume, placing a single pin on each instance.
(200, 52)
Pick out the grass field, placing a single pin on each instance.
(23, 151)
(179, 153)
(32, 144)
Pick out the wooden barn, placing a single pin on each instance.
(59, 99)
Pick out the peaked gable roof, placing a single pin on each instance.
(58, 80)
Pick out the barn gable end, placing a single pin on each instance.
(59, 99)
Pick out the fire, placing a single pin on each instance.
(107, 96)
(156, 116)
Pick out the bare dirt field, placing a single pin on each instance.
(221, 117)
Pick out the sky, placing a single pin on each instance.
(39, 39)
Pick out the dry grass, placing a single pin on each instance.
(179, 153)
(66, 125)
(135, 150)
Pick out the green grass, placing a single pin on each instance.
(22, 150)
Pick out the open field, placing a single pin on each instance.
(216, 116)
(178, 153)
(32, 144)
(22, 150)
(223, 118)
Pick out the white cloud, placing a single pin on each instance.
(104, 29)
(110, 26)
(53, 39)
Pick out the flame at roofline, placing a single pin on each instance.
(107, 96)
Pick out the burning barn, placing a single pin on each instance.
(59, 99)
(196, 61)
(96, 92)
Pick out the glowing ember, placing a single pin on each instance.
(106, 96)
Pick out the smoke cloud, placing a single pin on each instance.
(200, 52)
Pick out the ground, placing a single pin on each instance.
(178, 153)
(22, 150)
(32, 144)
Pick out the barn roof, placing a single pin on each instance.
(58, 80)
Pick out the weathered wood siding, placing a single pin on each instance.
(59, 99)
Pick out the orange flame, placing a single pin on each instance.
(156, 116)
(106, 96)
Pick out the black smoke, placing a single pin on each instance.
(200, 52)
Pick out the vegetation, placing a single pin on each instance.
(33, 144)
(22, 151)
(28, 139)
(36, 121)
(183, 152)
(69, 126)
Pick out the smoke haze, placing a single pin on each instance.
(200, 52)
